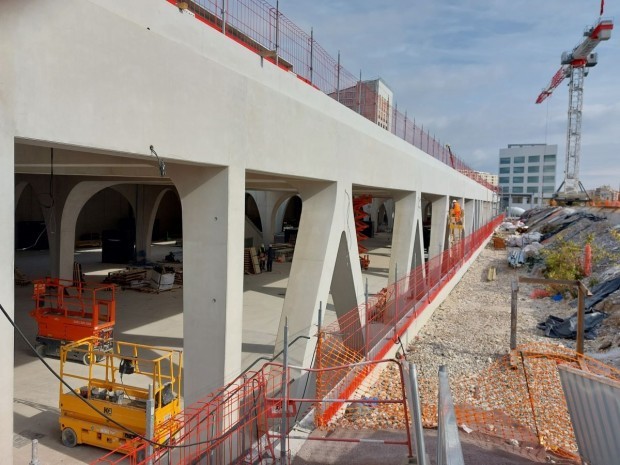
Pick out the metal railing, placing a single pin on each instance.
(263, 28)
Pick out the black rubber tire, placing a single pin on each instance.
(41, 350)
(68, 437)
(86, 359)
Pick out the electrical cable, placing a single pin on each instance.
(160, 162)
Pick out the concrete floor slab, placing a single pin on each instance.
(146, 318)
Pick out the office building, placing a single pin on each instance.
(527, 174)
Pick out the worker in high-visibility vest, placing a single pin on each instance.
(455, 212)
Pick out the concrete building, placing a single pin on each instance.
(491, 178)
(527, 174)
(91, 88)
(373, 99)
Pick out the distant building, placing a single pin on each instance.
(372, 99)
(492, 179)
(527, 174)
(604, 194)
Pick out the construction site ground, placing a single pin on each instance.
(146, 318)
(467, 333)
(470, 334)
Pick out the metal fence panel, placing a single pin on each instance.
(594, 407)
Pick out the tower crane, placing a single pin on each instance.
(574, 66)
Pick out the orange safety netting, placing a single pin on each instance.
(370, 330)
(518, 397)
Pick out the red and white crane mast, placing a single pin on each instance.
(574, 66)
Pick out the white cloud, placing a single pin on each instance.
(470, 70)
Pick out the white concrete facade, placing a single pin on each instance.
(109, 78)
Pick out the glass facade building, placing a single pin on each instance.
(527, 174)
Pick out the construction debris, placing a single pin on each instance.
(127, 278)
(20, 278)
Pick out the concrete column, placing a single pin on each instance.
(469, 216)
(389, 208)
(213, 202)
(374, 213)
(7, 215)
(486, 212)
(407, 224)
(439, 226)
(148, 199)
(327, 213)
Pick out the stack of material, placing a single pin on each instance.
(178, 277)
(130, 277)
(247, 262)
(251, 264)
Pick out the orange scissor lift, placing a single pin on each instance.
(359, 214)
(68, 311)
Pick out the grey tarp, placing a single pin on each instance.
(601, 291)
(561, 328)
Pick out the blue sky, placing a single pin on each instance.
(470, 70)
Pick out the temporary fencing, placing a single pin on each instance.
(262, 28)
(242, 422)
(519, 397)
(370, 330)
(239, 423)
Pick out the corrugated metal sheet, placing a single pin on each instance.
(449, 450)
(594, 407)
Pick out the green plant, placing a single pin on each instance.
(563, 260)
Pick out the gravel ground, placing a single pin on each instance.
(470, 334)
(471, 328)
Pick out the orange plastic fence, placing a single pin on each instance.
(517, 397)
(236, 423)
(232, 425)
(370, 330)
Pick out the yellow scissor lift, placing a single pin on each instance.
(118, 384)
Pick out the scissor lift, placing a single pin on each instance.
(67, 311)
(152, 379)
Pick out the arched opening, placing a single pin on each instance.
(168, 224)
(113, 228)
(382, 219)
(291, 214)
(30, 229)
(252, 213)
